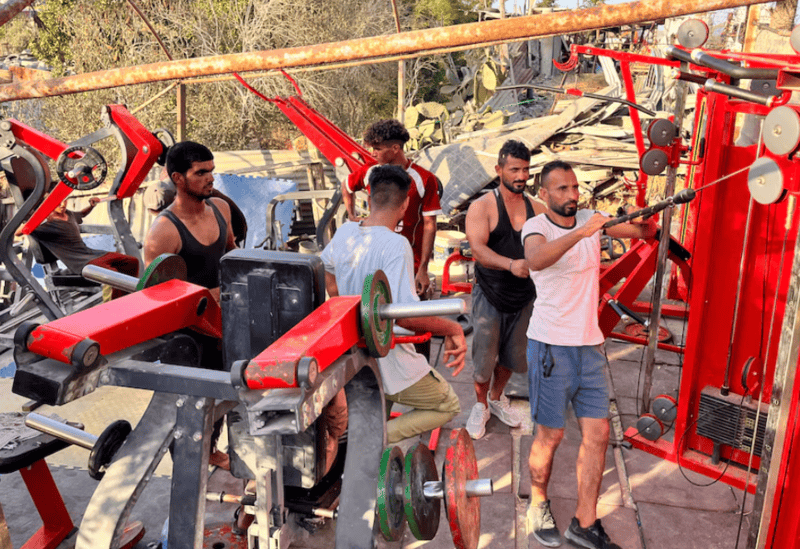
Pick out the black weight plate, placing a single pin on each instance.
(106, 446)
(82, 173)
(422, 513)
(390, 502)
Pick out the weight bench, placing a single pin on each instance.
(55, 278)
(28, 457)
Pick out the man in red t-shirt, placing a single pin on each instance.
(386, 138)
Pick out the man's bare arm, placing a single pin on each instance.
(330, 285)
(225, 210)
(163, 238)
(349, 200)
(455, 342)
(477, 228)
(642, 229)
(540, 254)
(428, 236)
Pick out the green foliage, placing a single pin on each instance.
(546, 3)
(444, 12)
(592, 3)
(17, 34)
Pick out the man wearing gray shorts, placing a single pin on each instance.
(566, 363)
(503, 294)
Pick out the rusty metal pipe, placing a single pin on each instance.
(11, 8)
(419, 42)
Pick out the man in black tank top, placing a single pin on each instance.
(195, 226)
(503, 294)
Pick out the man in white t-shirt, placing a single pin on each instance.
(359, 249)
(566, 363)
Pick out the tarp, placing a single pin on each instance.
(253, 194)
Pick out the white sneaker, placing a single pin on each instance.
(476, 424)
(504, 412)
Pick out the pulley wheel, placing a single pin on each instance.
(422, 513)
(463, 511)
(794, 39)
(106, 446)
(163, 268)
(782, 130)
(650, 427)
(377, 331)
(638, 330)
(82, 172)
(665, 408)
(390, 501)
(765, 181)
(751, 376)
(692, 33)
(661, 132)
(654, 162)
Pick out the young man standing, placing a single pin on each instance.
(503, 294)
(566, 363)
(418, 225)
(359, 249)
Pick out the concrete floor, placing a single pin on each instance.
(672, 512)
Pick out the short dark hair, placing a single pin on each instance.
(181, 156)
(514, 148)
(551, 166)
(388, 186)
(386, 130)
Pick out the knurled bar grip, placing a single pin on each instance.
(682, 197)
(60, 430)
(440, 307)
(114, 279)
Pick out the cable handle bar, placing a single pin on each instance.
(681, 197)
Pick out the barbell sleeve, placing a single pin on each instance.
(60, 430)
(480, 487)
(440, 307)
(114, 279)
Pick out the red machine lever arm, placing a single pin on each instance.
(129, 320)
(324, 335)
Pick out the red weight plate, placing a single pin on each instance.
(463, 512)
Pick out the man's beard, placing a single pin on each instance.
(510, 186)
(202, 195)
(568, 209)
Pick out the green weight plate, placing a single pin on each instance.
(377, 332)
(422, 513)
(163, 268)
(390, 501)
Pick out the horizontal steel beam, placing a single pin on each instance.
(376, 48)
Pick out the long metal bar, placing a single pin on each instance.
(112, 278)
(479, 487)
(418, 42)
(780, 411)
(439, 307)
(60, 430)
(11, 8)
(661, 262)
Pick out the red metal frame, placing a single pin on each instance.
(713, 229)
(130, 319)
(56, 522)
(452, 287)
(142, 150)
